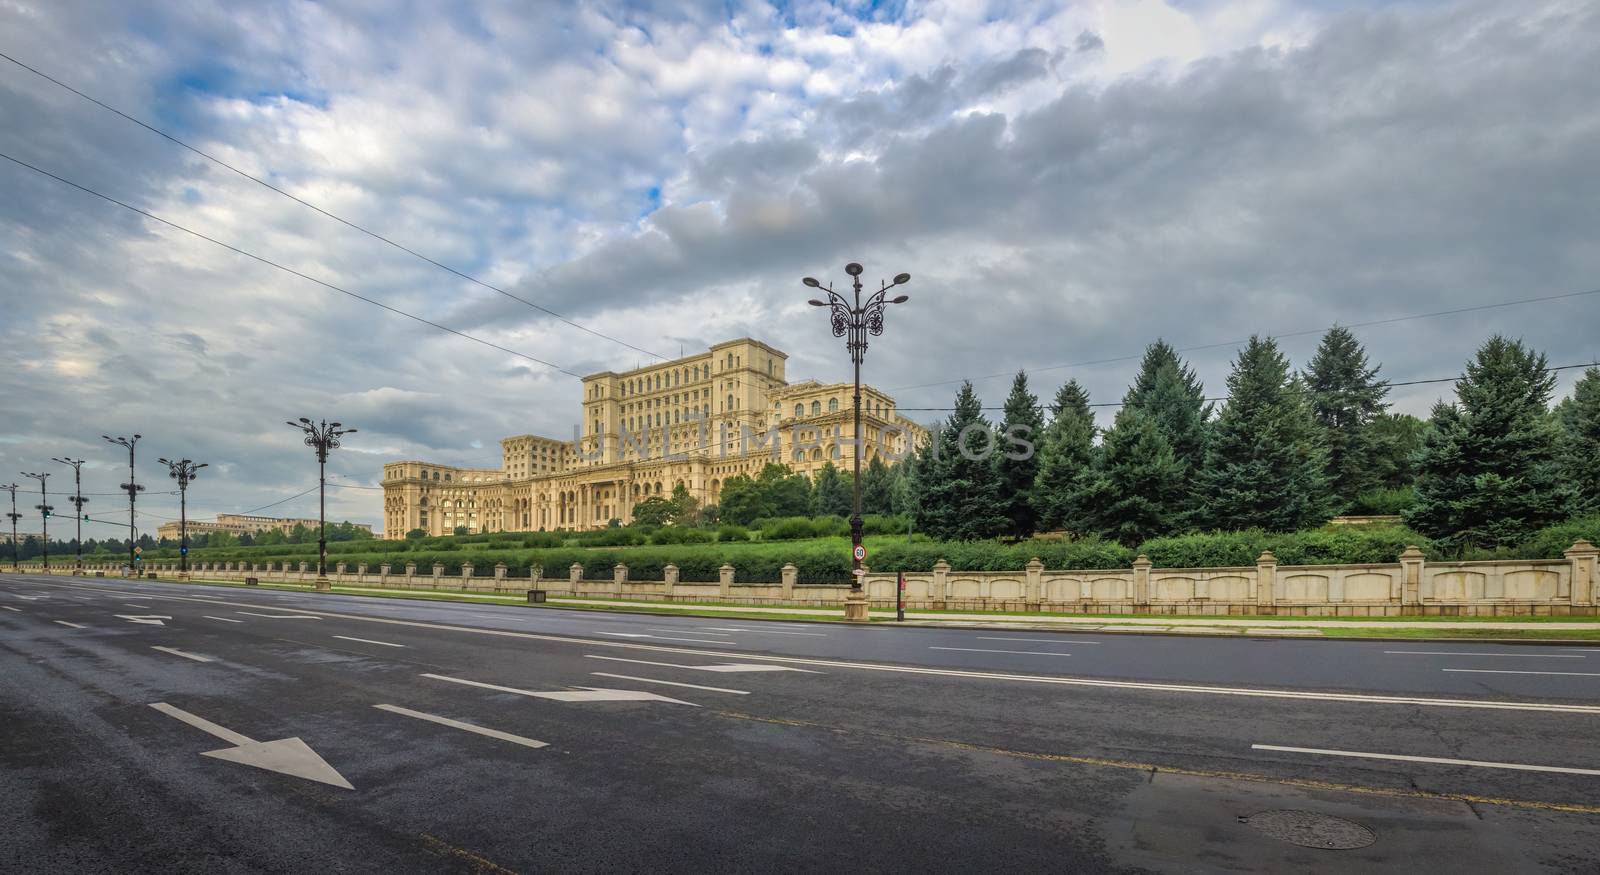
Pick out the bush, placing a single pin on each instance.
(1383, 502)
(733, 533)
(680, 535)
(1329, 545)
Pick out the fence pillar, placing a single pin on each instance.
(438, 574)
(619, 576)
(1411, 562)
(1033, 592)
(789, 573)
(1583, 556)
(466, 574)
(1141, 582)
(411, 574)
(669, 574)
(1266, 582)
(383, 574)
(361, 573)
(725, 581)
(499, 576)
(938, 590)
(575, 576)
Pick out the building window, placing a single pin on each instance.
(833, 405)
(799, 411)
(816, 408)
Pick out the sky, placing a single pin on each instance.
(1065, 182)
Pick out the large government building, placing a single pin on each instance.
(239, 524)
(694, 421)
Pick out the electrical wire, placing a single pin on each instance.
(343, 221)
(270, 263)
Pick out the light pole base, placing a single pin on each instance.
(324, 585)
(855, 606)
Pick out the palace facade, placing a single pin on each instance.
(239, 524)
(694, 421)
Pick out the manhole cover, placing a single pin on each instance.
(1309, 829)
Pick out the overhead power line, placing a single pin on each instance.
(341, 220)
(1301, 333)
(286, 269)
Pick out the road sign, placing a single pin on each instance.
(859, 572)
(183, 551)
(861, 553)
(137, 550)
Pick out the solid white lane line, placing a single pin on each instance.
(367, 641)
(725, 668)
(1521, 767)
(185, 654)
(629, 677)
(1458, 653)
(69, 625)
(1576, 674)
(1058, 680)
(467, 727)
(985, 650)
(223, 619)
(1038, 640)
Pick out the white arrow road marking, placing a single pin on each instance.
(467, 727)
(582, 694)
(223, 619)
(1442, 760)
(184, 653)
(288, 756)
(279, 616)
(629, 677)
(145, 619)
(68, 625)
(727, 667)
(368, 641)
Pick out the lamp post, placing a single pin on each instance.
(183, 471)
(44, 509)
(133, 490)
(855, 321)
(12, 488)
(78, 501)
(322, 437)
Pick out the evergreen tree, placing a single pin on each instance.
(1017, 458)
(1171, 395)
(833, 493)
(1488, 473)
(1066, 454)
(1579, 417)
(1265, 466)
(1136, 487)
(903, 487)
(958, 486)
(1346, 398)
(877, 484)
(1395, 441)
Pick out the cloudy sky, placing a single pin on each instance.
(1064, 181)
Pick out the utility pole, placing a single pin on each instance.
(12, 488)
(857, 322)
(183, 471)
(44, 509)
(78, 501)
(133, 489)
(322, 437)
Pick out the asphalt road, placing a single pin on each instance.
(296, 732)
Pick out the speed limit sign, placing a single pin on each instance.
(861, 553)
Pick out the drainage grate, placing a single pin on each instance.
(1309, 829)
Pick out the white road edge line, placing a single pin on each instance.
(1058, 680)
(367, 641)
(69, 625)
(1521, 767)
(1038, 640)
(223, 619)
(986, 650)
(183, 653)
(466, 727)
(629, 677)
(1459, 653)
(1578, 674)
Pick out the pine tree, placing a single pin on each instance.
(1171, 395)
(1136, 488)
(833, 493)
(903, 487)
(1579, 416)
(1346, 398)
(958, 487)
(1265, 467)
(1396, 439)
(1017, 459)
(1489, 472)
(877, 481)
(1066, 454)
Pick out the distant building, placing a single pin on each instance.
(239, 524)
(5, 537)
(693, 421)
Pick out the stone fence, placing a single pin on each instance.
(1410, 586)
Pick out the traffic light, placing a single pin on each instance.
(47, 513)
(86, 518)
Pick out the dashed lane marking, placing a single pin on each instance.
(1482, 764)
(69, 625)
(367, 641)
(223, 619)
(10, 608)
(987, 650)
(762, 631)
(279, 616)
(1460, 653)
(465, 727)
(1576, 674)
(1037, 640)
(629, 677)
(582, 694)
(184, 653)
(734, 667)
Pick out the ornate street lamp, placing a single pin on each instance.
(12, 488)
(856, 322)
(44, 509)
(183, 471)
(133, 489)
(322, 437)
(78, 501)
